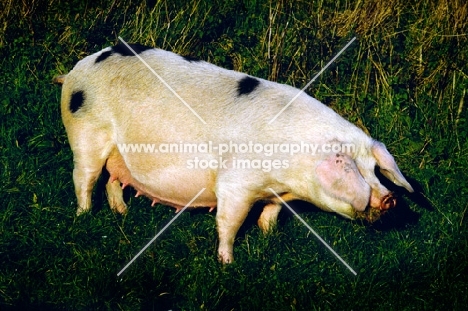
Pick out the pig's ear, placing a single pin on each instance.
(388, 166)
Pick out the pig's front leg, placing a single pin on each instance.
(232, 211)
(269, 216)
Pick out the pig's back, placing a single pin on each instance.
(174, 98)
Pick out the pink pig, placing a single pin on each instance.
(111, 101)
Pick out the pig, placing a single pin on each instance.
(112, 99)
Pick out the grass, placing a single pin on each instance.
(404, 81)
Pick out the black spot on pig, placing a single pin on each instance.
(103, 56)
(76, 101)
(191, 59)
(247, 85)
(123, 50)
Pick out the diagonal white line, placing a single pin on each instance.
(313, 79)
(163, 82)
(315, 233)
(160, 232)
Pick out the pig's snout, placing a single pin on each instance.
(379, 205)
(382, 202)
(389, 201)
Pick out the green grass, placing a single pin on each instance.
(404, 81)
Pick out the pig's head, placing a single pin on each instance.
(352, 182)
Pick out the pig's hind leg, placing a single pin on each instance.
(115, 197)
(89, 156)
(116, 166)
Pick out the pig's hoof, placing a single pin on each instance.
(225, 258)
(388, 202)
(117, 204)
(80, 211)
(121, 209)
(266, 226)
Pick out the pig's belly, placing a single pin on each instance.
(162, 180)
